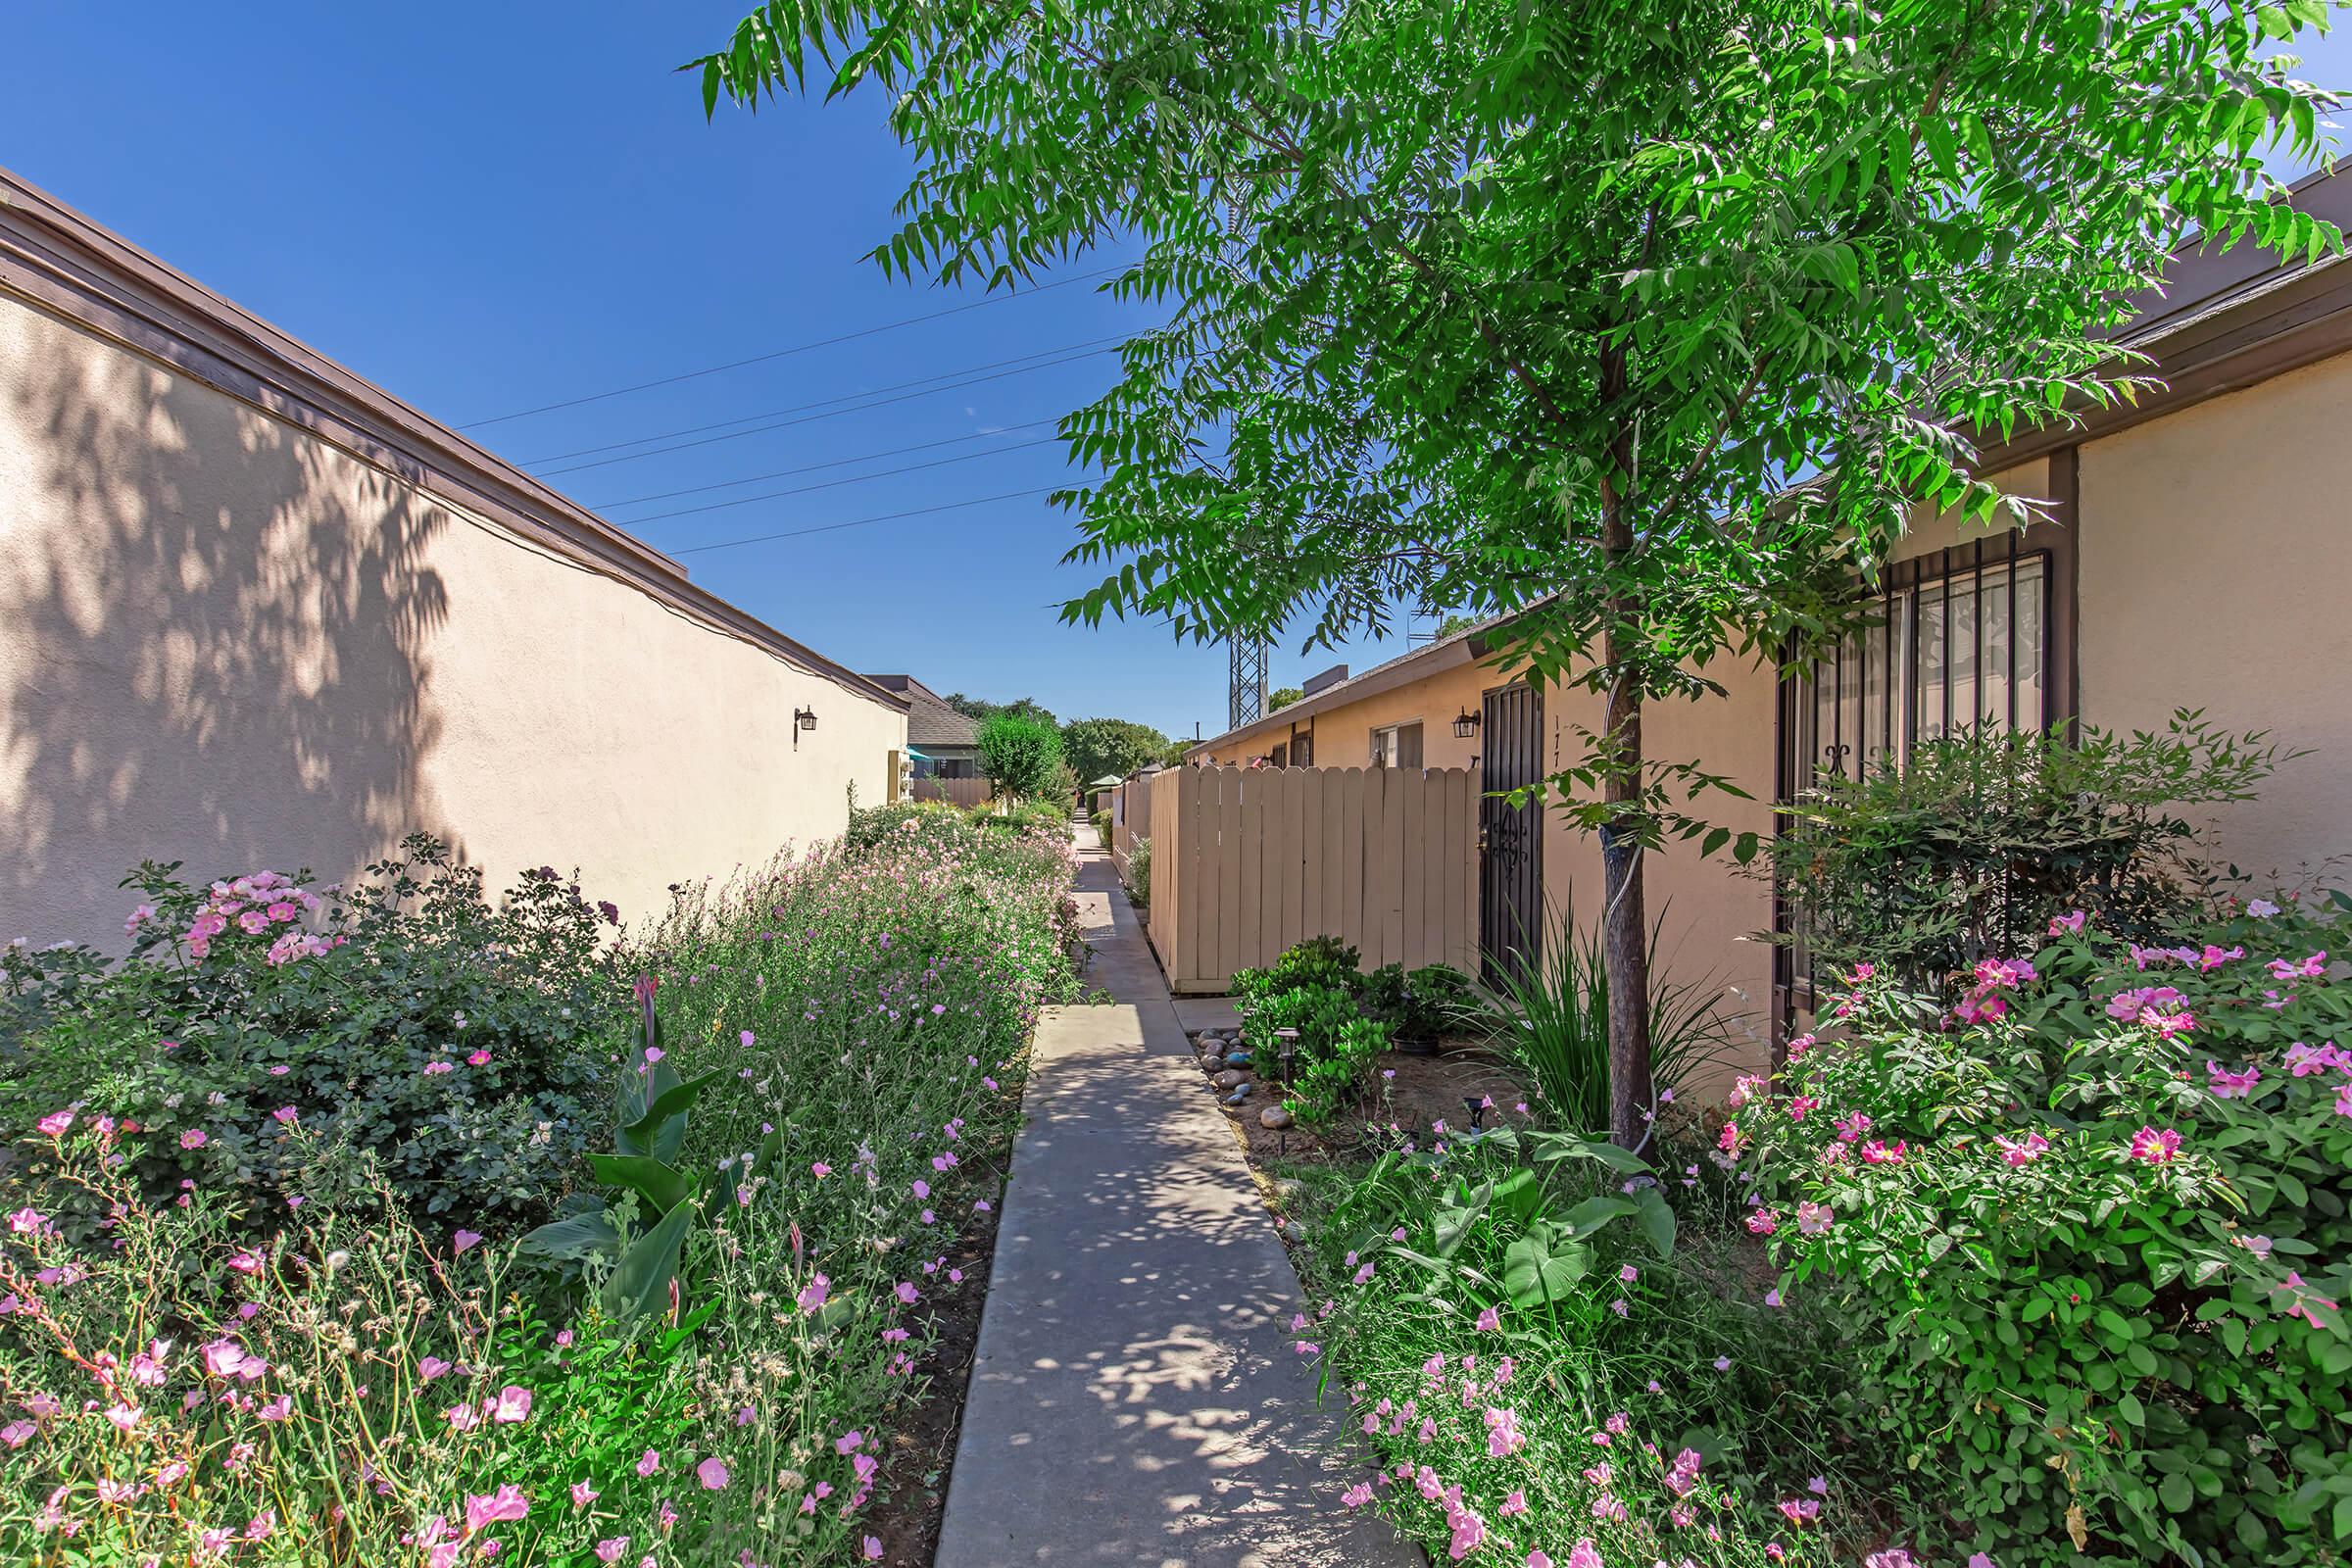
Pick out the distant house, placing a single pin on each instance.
(941, 743)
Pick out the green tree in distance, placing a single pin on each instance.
(1019, 756)
(1547, 309)
(979, 708)
(1283, 697)
(1097, 747)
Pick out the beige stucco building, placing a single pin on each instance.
(256, 613)
(2199, 557)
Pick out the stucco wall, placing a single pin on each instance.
(227, 642)
(2217, 573)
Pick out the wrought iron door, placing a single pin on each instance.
(1510, 839)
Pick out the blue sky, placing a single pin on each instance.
(494, 207)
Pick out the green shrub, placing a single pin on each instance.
(1553, 1026)
(1335, 1070)
(1427, 1003)
(1316, 962)
(459, 1047)
(1019, 756)
(1139, 872)
(2094, 1219)
(1967, 847)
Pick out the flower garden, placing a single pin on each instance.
(2034, 1258)
(384, 1225)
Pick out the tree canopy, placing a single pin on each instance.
(1646, 320)
(1097, 747)
(1019, 756)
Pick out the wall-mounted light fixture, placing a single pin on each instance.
(801, 718)
(1465, 723)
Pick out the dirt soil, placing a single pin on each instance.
(912, 1496)
(1425, 1090)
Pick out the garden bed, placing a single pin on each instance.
(743, 1334)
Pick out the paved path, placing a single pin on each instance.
(1135, 1401)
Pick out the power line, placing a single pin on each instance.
(877, 402)
(859, 523)
(834, 484)
(798, 348)
(820, 402)
(813, 467)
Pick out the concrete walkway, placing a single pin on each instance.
(1135, 1399)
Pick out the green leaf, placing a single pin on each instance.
(575, 1238)
(661, 1187)
(641, 1280)
(1543, 1266)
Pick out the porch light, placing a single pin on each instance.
(1466, 724)
(801, 718)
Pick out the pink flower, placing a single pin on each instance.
(431, 1367)
(284, 1114)
(1584, 1555)
(1853, 1127)
(1878, 1152)
(849, 1442)
(464, 1240)
(435, 1069)
(2061, 924)
(1763, 1221)
(507, 1504)
(264, 1523)
(2154, 1146)
(1489, 1321)
(610, 1550)
(18, 1432)
(480, 1058)
(812, 1294)
(2227, 1085)
(513, 1405)
(54, 1124)
(712, 1473)
(820, 1170)
(1357, 1496)
(649, 1461)
(27, 1222)
(1815, 1220)
(870, 1548)
(193, 1138)
(2022, 1152)
(246, 1261)
(582, 1494)
(907, 1294)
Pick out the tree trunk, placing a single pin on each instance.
(1625, 921)
(1625, 946)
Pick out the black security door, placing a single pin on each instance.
(1510, 839)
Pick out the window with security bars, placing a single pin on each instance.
(1976, 638)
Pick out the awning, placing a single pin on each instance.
(917, 755)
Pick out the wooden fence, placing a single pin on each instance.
(1248, 861)
(965, 791)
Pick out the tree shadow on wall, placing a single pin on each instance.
(213, 629)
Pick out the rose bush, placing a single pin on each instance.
(459, 1046)
(2099, 1215)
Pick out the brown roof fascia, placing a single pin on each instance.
(76, 269)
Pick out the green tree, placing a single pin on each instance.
(1020, 757)
(1283, 697)
(1097, 747)
(1548, 309)
(978, 708)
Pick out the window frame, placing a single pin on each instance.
(2055, 545)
